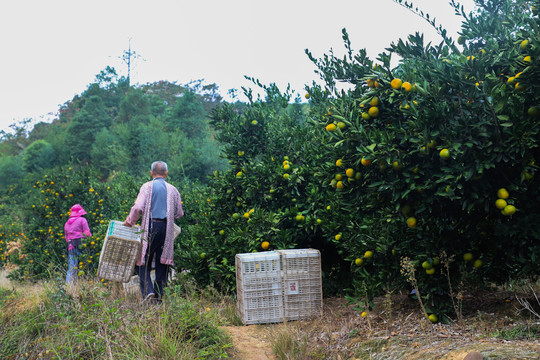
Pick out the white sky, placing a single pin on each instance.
(51, 50)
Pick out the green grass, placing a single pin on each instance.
(94, 321)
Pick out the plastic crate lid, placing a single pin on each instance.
(291, 253)
(258, 256)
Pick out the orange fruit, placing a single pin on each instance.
(339, 162)
(411, 222)
(509, 210)
(433, 318)
(339, 184)
(358, 261)
(396, 84)
(341, 125)
(365, 116)
(468, 257)
(368, 254)
(349, 173)
(307, 96)
(365, 162)
(430, 271)
(337, 237)
(444, 154)
(524, 44)
(502, 193)
(373, 111)
(265, 245)
(533, 111)
(407, 86)
(374, 101)
(500, 204)
(331, 127)
(477, 263)
(286, 176)
(527, 58)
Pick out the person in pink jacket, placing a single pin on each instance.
(160, 205)
(75, 229)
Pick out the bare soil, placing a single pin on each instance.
(250, 343)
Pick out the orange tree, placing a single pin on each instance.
(38, 247)
(437, 155)
(269, 199)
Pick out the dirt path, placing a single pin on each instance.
(251, 343)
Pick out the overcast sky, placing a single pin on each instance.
(51, 50)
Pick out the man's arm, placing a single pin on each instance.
(136, 210)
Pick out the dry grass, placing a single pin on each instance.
(402, 332)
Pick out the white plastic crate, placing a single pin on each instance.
(259, 287)
(302, 283)
(119, 252)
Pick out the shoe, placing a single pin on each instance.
(149, 297)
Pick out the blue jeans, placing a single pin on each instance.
(155, 249)
(73, 263)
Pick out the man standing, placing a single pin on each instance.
(160, 205)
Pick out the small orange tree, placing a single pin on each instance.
(42, 249)
(438, 155)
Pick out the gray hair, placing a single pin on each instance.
(159, 167)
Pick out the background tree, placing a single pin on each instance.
(39, 155)
(81, 133)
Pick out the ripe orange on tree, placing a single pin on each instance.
(411, 222)
(396, 84)
(477, 263)
(509, 210)
(265, 245)
(444, 154)
(366, 162)
(502, 193)
(407, 86)
(331, 127)
(373, 111)
(500, 204)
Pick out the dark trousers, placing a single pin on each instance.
(156, 240)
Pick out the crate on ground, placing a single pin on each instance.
(302, 283)
(259, 287)
(119, 252)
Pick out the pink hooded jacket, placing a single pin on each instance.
(77, 226)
